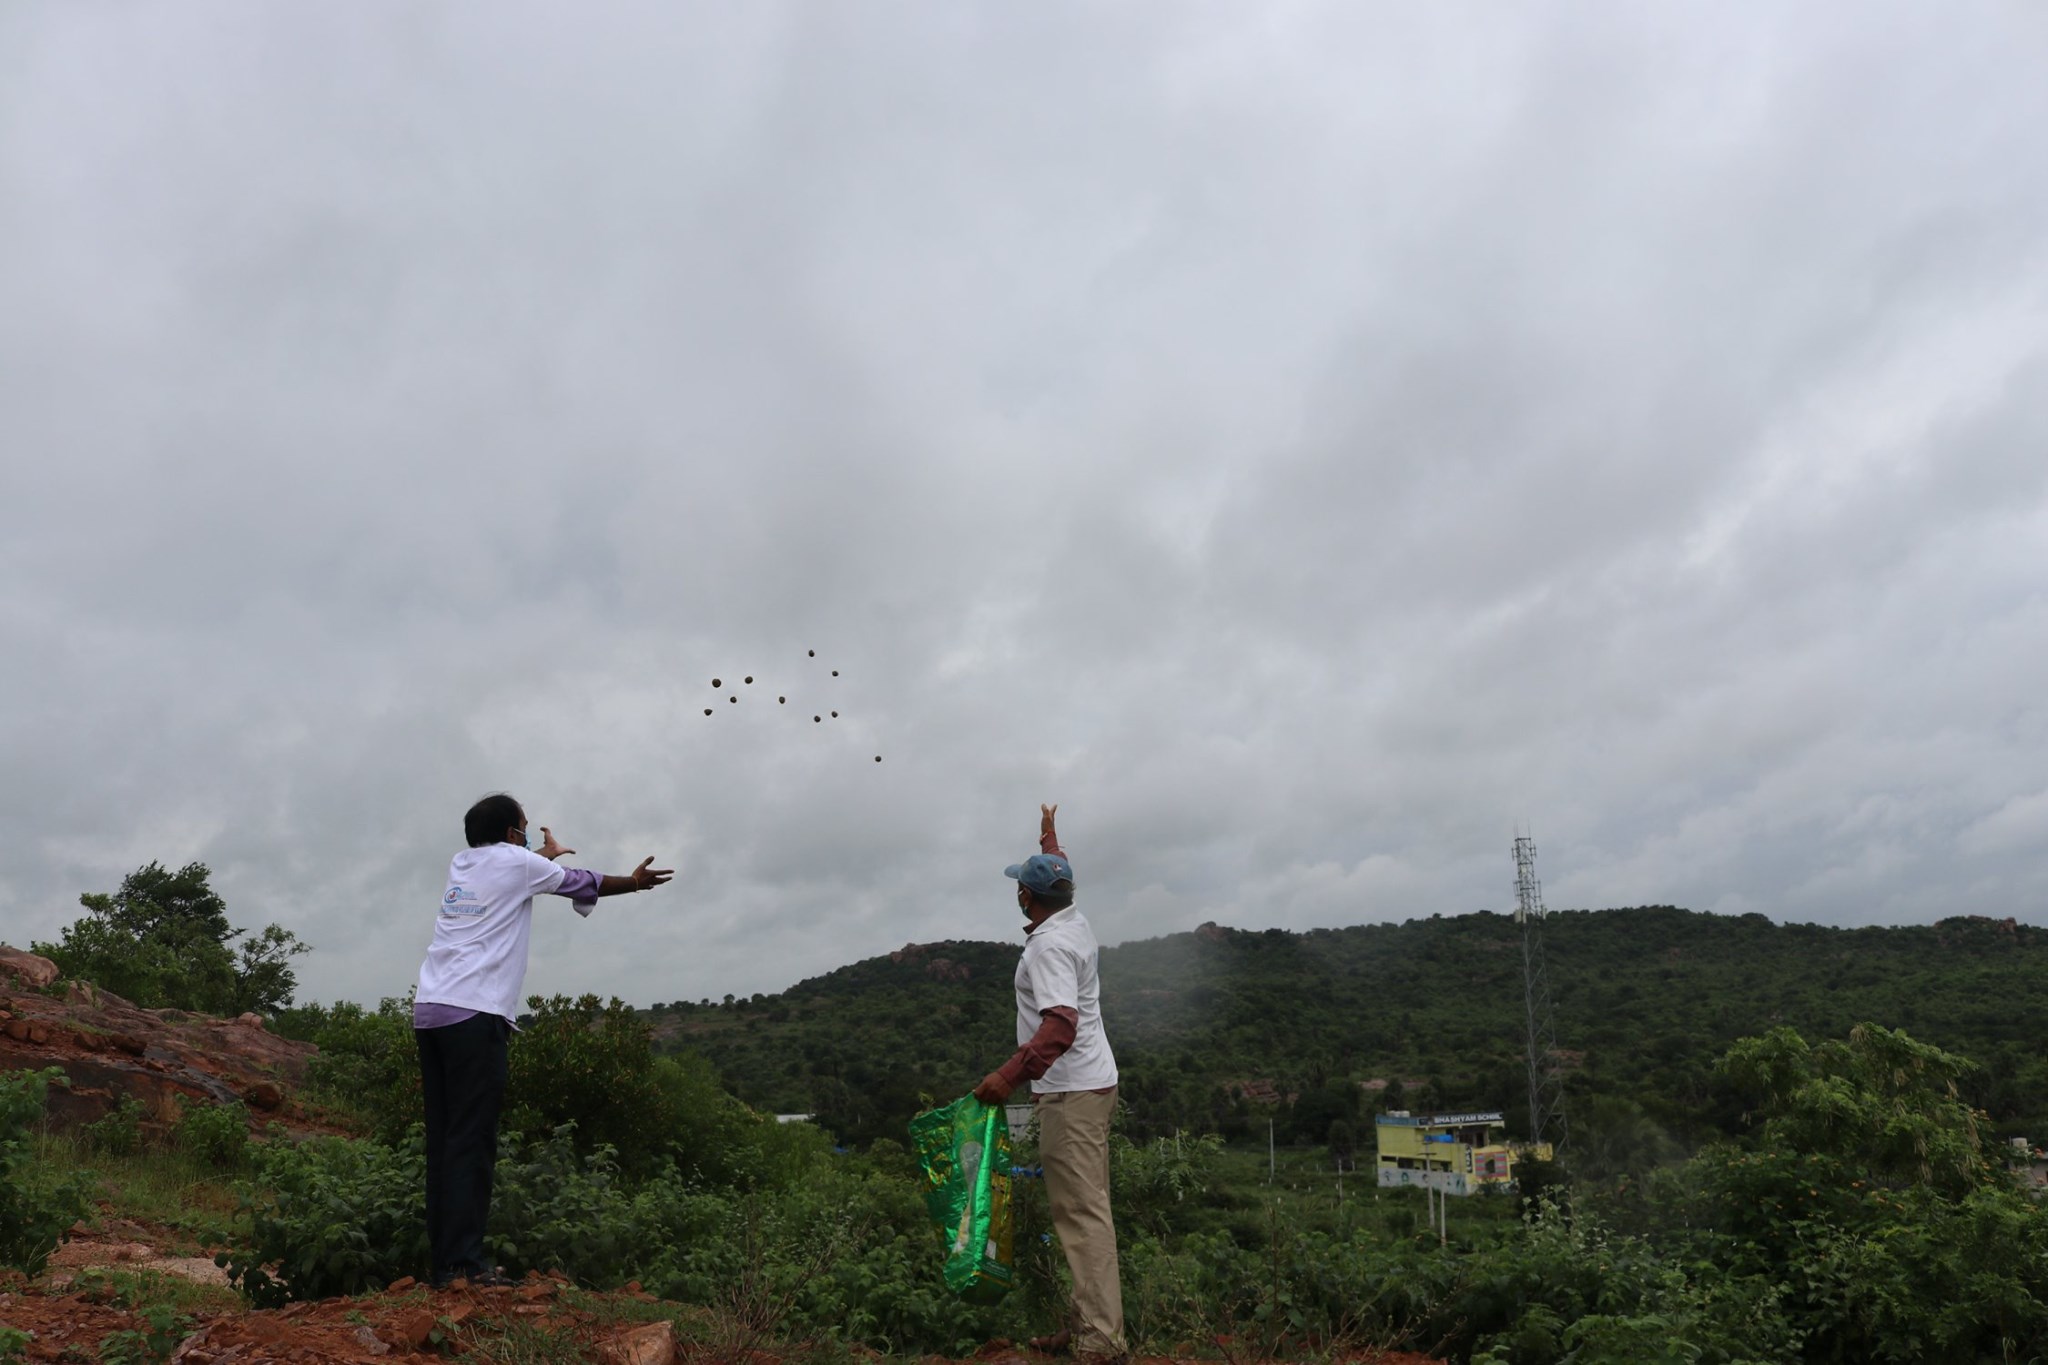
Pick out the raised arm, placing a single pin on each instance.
(583, 887)
(642, 878)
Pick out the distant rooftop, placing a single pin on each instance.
(1401, 1118)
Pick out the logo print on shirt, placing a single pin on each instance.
(460, 900)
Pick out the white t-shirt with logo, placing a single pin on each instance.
(477, 960)
(1058, 969)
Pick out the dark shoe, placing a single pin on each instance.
(1054, 1345)
(476, 1279)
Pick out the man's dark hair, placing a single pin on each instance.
(489, 818)
(1058, 896)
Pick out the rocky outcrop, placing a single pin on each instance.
(28, 971)
(938, 968)
(110, 1048)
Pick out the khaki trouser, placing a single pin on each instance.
(1073, 1142)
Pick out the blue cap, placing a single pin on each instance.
(1040, 871)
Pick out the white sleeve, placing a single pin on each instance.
(542, 876)
(1056, 980)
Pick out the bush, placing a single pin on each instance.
(1160, 1184)
(591, 1065)
(35, 1216)
(334, 1217)
(367, 1063)
(163, 1328)
(553, 1209)
(118, 1132)
(217, 1134)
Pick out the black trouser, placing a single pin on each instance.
(462, 1079)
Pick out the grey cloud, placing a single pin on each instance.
(1305, 442)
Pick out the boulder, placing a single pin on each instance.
(651, 1344)
(32, 972)
(409, 1331)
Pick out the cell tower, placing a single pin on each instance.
(1546, 1080)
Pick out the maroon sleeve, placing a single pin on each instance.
(1055, 1035)
(1049, 842)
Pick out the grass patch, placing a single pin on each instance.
(518, 1341)
(161, 1187)
(1304, 1192)
(623, 1310)
(142, 1289)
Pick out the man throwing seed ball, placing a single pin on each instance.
(462, 1014)
(1064, 1053)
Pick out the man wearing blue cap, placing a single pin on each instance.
(1064, 1053)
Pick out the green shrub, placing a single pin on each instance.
(1161, 1184)
(553, 1209)
(217, 1134)
(35, 1214)
(591, 1065)
(163, 1328)
(334, 1217)
(367, 1065)
(118, 1132)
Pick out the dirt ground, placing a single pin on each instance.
(69, 1315)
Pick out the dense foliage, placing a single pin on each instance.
(162, 941)
(35, 1213)
(1757, 1197)
(1432, 1009)
(1860, 1215)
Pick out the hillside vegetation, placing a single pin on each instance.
(1763, 1166)
(1646, 1000)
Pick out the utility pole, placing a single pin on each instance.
(1546, 1081)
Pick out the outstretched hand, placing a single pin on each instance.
(549, 849)
(1045, 815)
(647, 876)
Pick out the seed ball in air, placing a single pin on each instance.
(814, 654)
(782, 701)
(750, 680)
(732, 698)
(835, 715)
(707, 710)
(716, 683)
(878, 758)
(835, 672)
(816, 719)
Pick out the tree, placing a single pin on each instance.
(162, 939)
(1879, 1101)
(1869, 1192)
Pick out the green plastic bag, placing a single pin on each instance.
(964, 1148)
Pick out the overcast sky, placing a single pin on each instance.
(1308, 442)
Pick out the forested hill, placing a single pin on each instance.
(1646, 1000)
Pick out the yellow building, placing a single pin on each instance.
(1455, 1153)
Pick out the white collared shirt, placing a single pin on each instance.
(1059, 969)
(478, 957)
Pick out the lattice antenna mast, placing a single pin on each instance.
(1546, 1079)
